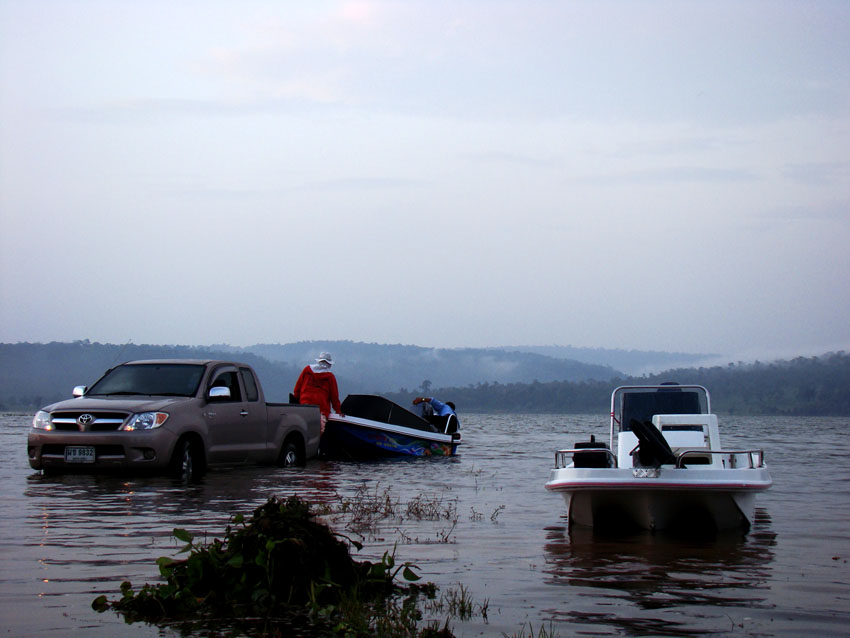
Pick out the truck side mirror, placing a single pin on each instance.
(219, 393)
(80, 390)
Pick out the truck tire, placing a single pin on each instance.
(187, 464)
(290, 455)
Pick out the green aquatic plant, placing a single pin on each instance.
(457, 603)
(282, 563)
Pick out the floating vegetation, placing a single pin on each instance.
(457, 603)
(432, 508)
(542, 632)
(369, 508)
(477, 516)
(282, 568)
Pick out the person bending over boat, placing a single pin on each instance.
(430, 405)
(317, 385)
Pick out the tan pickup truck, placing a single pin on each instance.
(178, 416)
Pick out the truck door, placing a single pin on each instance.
(236, 426)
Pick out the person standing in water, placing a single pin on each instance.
(317, 385)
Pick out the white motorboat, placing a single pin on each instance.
(668, 470)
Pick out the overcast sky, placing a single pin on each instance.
(621, 174)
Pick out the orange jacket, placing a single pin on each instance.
(318, 388)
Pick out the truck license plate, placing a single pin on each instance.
(79, 454)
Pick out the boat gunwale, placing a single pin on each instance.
(656, 485)
(669, 478)
(437, 437)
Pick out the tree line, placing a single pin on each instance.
(33, 375)
(805, 386)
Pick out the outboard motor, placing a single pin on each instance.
(588, 456)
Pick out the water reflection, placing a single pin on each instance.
(631, 582)
(219, 492)
(76, 511)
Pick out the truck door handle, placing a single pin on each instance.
(244, 413)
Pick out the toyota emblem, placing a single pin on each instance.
(85, 419)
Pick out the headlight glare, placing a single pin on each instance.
(41, 421)
(145, 421)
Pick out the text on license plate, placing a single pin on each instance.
(79, 454)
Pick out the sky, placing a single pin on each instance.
(648, 175)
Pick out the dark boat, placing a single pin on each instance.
(376, 427)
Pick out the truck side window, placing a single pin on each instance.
(231, 381)
(250, 384)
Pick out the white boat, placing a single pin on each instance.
(668, 470)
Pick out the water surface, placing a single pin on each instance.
(495, 529)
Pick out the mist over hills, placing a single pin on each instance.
(484, 380)
(804, 386)
(372, 367)
(33, 374)
(631, 362)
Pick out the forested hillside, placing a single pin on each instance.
(33, 375)
(388, 367)
(815, 386)
(630, 362)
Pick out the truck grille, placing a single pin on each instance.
(81, 421)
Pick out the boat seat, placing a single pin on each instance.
(587, 456)
(446, 424)
(653, 449)
(693, 459)
(681, 441)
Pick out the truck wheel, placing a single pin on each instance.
(290, 456)
(187, 463)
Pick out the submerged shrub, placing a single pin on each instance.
(280, 556)
(282, 564)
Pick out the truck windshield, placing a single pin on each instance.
(166, 379)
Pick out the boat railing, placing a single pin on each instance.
(562, 461)
(755, 458)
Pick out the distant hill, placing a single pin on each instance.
(805, 386)
(372, 367)
(479, 380)
(631, 362)
(32, 375)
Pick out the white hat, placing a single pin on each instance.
(326, 357)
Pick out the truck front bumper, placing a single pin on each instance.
(86, 451)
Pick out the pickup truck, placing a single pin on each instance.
(178, 416)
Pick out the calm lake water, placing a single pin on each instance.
(66, 540)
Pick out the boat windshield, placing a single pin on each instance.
(644, 402)
(382, 410)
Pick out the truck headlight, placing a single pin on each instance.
(41, 421)
(145, 421)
